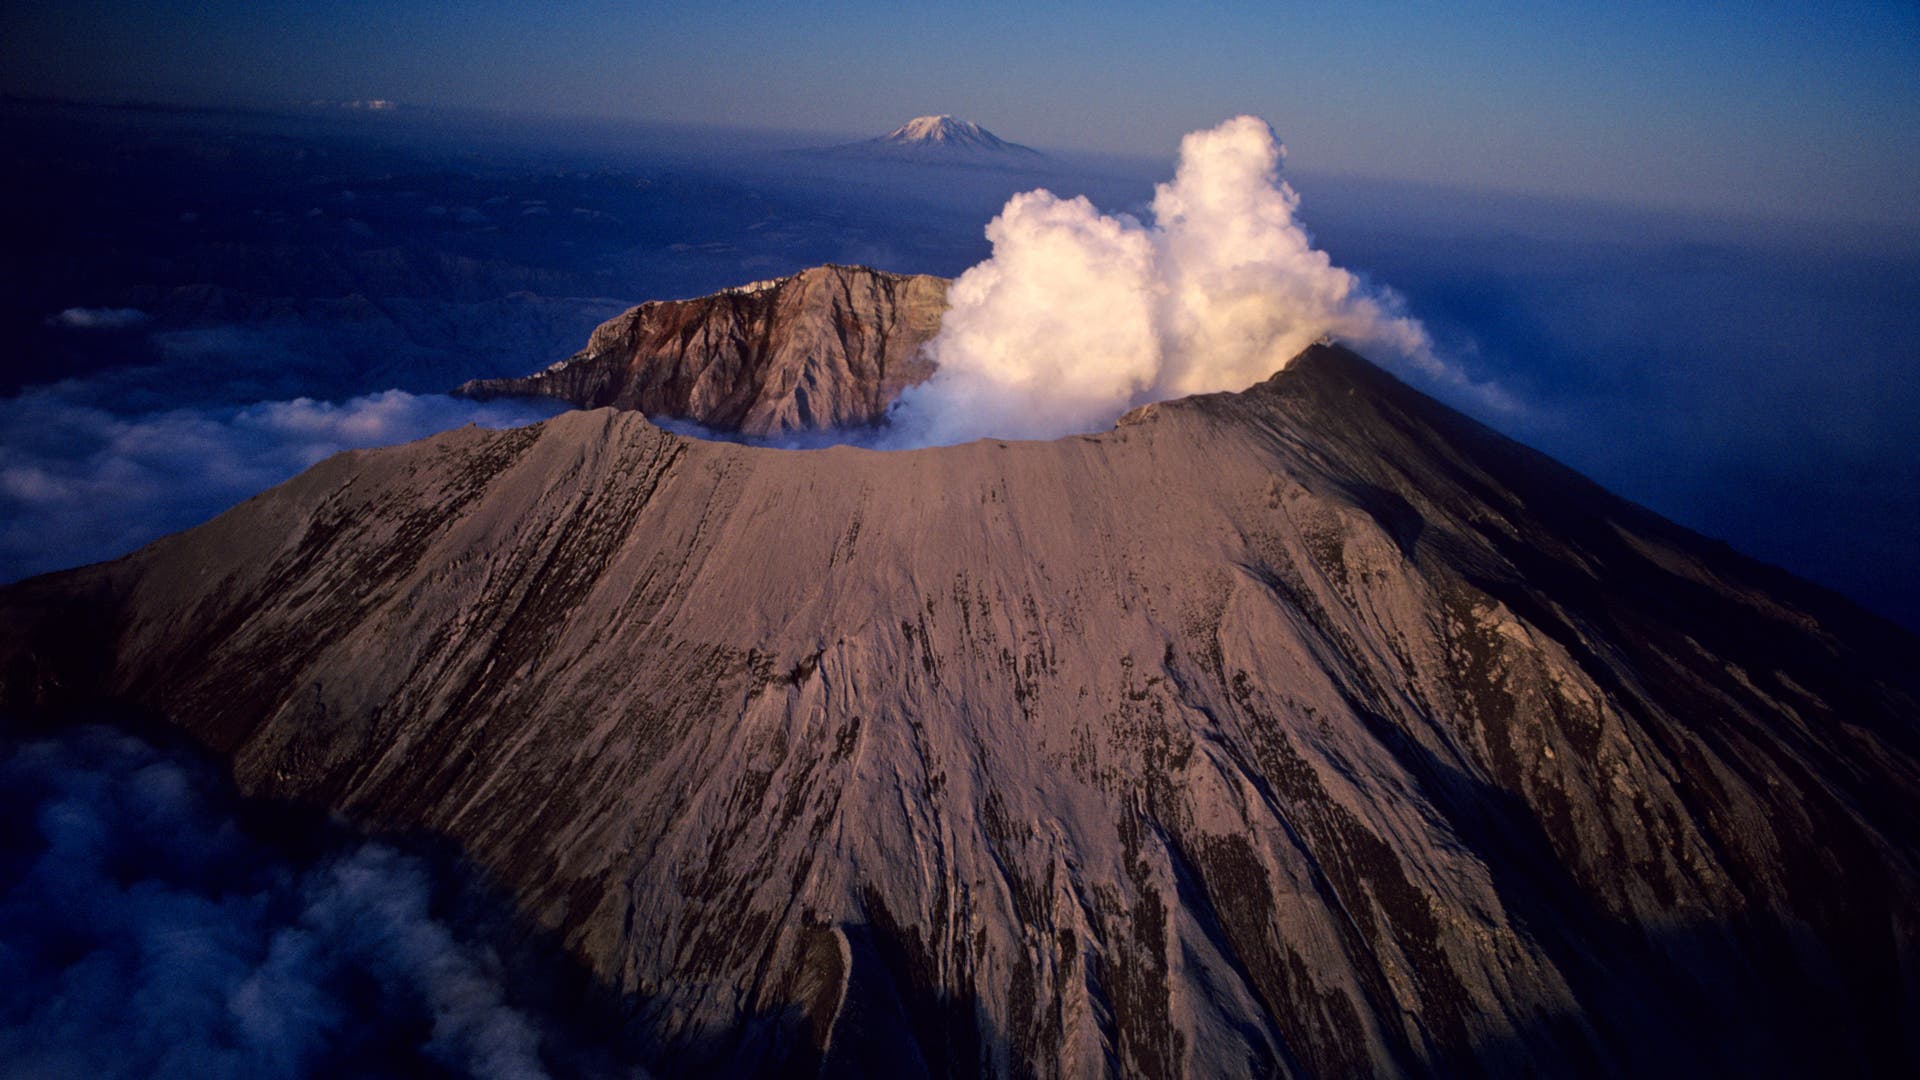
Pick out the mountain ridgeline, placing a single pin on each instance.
(1308, 730)
(937, 140)
(944, 130)
(827, 348)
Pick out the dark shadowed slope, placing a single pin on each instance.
(829, 347)
(1314, 729)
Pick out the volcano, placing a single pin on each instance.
(945, 131)
(1313, 729)
(939, 140)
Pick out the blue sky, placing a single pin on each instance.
(1781, 109)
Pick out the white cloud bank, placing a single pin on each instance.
(79, 483)
(1079, 316)
(93, 318)
(146, 931)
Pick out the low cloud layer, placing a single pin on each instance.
(79, 483)
(91, 318)
(1079, 316)
(144, 932)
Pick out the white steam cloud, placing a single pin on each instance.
(1079, 316)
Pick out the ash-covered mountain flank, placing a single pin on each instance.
(829, 347)
(1309, 730)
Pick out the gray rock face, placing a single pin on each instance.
(829, 347)
(1310, 730)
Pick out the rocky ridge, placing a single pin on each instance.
(1311, 730)
(829, 347)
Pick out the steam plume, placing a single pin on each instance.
(1079, 316)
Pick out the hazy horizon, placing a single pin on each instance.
(1787, 110)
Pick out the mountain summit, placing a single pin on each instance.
(1309, 730)
(945, 131)
(938, 139)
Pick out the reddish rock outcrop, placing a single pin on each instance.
(829, 347)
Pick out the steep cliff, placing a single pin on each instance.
(1312, 730)
(829, 347)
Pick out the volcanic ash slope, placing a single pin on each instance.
(1310, 729)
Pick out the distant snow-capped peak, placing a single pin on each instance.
(945, 131)
(938, 140)
(942, 128)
